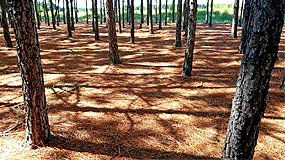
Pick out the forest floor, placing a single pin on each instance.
(143, 108)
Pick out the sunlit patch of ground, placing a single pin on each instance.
(143, 108)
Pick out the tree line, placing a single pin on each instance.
(259, 44)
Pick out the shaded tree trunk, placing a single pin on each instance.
(36, 120)
(235, 19)
(187, 66)
(113, 46)
(132, 39)
(150, 18)
(72, 17)
(173, 11)
(159, 15)
(76, 12)
(7, 37)
(165, 23)
(52, 14)
(47, 16)
(63, 14)
(211, 13)
(178, 24)
(58, 15)
(93, 15)
(283, 84)
(96, 21)
(69, 33)
(249, 103)
(240, 15)
(207, 12)
(37, 14)
(86, 12)
(123, 13)
(141, 22)
(155, 11)
(104, 10)
(147, 18)
(245, 23)
(116, 10)
(119, 16)
(39, 8)
(128, 7)
(101, 12)
(186, 13)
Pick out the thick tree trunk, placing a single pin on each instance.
(159, 15)
(187, 66)
(113, 46)
(47, 16)
(283, 84)
(72, 17)
(245, 23)
(178, 24)
(264, 31)
(63, 12)
(37, 14)
(52, 14)
(211, 13)
(5, 25)
(123, 13)
(141, 20)
(119, 16)
(147, 18)
(240, 15)
(150, 18)
(165, 22)
(96, 21)
(132, 39)
(86, 12)
(235, 19)
(207, 12)
(69, 33)
(37, 125)
(173, 11)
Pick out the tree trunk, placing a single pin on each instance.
(113, 46)
(132, 22)
(69, 33)
(155, 11)
(165, 23)
(150, 18)
(187, 66)
(128, 7)
(36, 120)
(5, 25)
(93, 15)
(178, 24)
(47, 13)
(58, 14)
(186, 13)
(147, 18)
(240, 15)
(52, 14)
(119, 16)
(283, 84)
(211, 13)
(173, 10)
(235, 19)
(37, 14)
(141, 22)
(96, 21)
(207, 12)
(104, 11)
(76, 13)
(101, 12)
(123, 13)
(1, 22)
(245, 23)
(159, 15)
(72, 17)
(86, 12)
(63, 14)
(248, 106)
(39, 8)
(116, 10)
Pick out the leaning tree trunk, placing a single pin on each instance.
(119, 16)
(211, 13)
(113, 46)
(264, 32)
(187, 66)
(132, 38)
(69, 33)
(37, 14)
(150, 18)
(240, 15)
(141, 20)
(173, 10)
(96, 21)
(245, 23)
(52, 14)
(72, 17)
(5, 25)
(283, 84)
(235, 20)
(159, 15)
(207, 12)
(178, 24)
(165, 22)
(36, 120)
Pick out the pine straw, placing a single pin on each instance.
(143, 108)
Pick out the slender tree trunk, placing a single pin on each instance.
(113, 46)
(52, 14)
(116, 10)
(252, 86)
(93, 15)
(178, 24)
(101, 12)
(123, 13)
(5, 25)
(186, 13)
(119, 16)
(39, 8)
(173, 11)
(141, 22)
(235, 19)
(211, 13)
(96, 21)
(69, 33)
(58, 14)
(76, 15)
(128, 7)
(187, 66)
(132, 22)
(150, 18)
(159, 15)
(104, 11)
(1, 22)
(207, 12)
(36, 120)
(86, 12)
(72, 17)
(63, 14)
(165, 23)
(283, 84)
(37, 14)
(47, 13)
(240, 15)
(147, 6)
(245, 23)
(156, 12)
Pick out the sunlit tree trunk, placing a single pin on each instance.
(113, 46)
(207, 12)
(173, 11)
(141, 20)
(29, 62)
(235, 19)
(150, 18)
(187, 66)
(69, 33)
(240, 15)
(5, 25)
(52, 14)
(132, 22)
(72, 17)
(249, 103)
(178, 24)
(37, 14)
(165, 22)
(211, 13)
(159, 15)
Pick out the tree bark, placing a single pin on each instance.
(101, 12)
(159, 15)
(283, 84)
(155, 11)
(240, 15)
(249, 103)
(47, 13)
(245, 23)
(93, 15)
(36, 120)
(211, 13)
(235, 19)
(96, 21)
(150, 18)
(116, 10)
(119, 16)
(37, 14)
(173, 11)
(187, 66)
(63, 14)
(113, 46)
(207, 12)
(69, 33)
(178, 24)
(147, 18)
(141, 20)
(165, 23)
(128, 7)
(52, 14)
(132, 39)
(76, 11)
(58, 14)
(86, 12)
(72, 17)
(186, 13)
(104, 10)
(7, 37)
(123, 13)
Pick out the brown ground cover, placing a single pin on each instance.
(143, 108)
